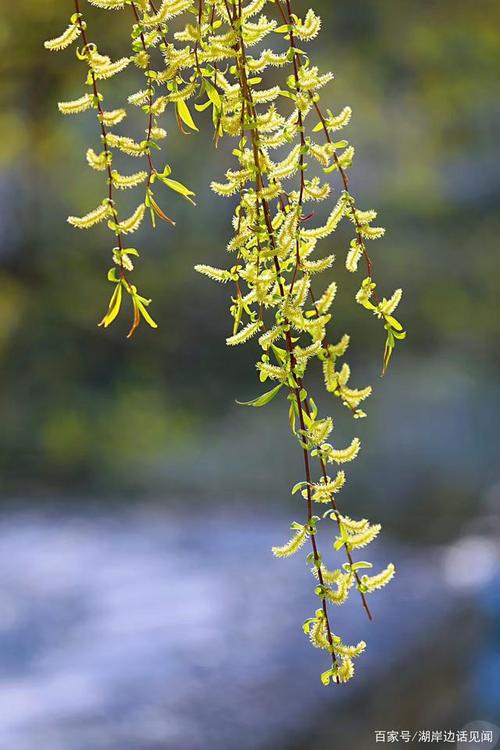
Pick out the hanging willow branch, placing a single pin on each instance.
(266, 97)
(146, 34)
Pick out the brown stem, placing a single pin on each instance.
(151, 170)
(104, 134)
(337, 519)
(343, 174)
(297, 63)
(247, 94)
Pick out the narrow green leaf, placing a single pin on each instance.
(264, 399)
(113, 307)
(178, 187)
(185, 114)
(298, 486)
(357, 565)
(326, 676)
(213, 95)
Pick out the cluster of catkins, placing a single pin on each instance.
(252, 72)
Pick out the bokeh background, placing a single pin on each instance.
(140, 605)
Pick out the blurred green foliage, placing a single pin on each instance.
(84, 408)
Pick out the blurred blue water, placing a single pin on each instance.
(146, 630)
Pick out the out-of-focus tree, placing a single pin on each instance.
(92, 409)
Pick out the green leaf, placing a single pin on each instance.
(357, 565)
(298, 486)
(331, 168)
(113, 307)
(292, 414)
(178, 187)
(112, 276)
(185, 114)
(145, 314)
(213, 95)
(319, 591)
(327, 676)
(264, 399)
(307, 625)
(281, 354)
(394, 323)
(202, 107)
